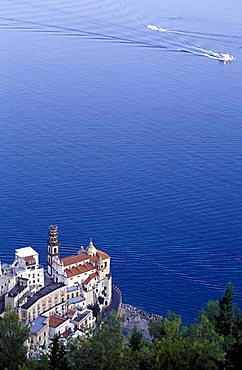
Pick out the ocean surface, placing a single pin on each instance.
(129, 136)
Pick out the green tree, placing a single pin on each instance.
(234, 353)
(170, 326)
(156, 329)
(57, 355)
(103, 349)
(135, 339)
(13, 337)
(226, 312)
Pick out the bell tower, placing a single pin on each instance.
(53, 247)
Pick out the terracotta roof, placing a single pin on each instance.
(104, 256)
(71, 260)
(90, 277)
(71, 312)
(66, 334)
(78, 270)
(29, 259)
(55, 321)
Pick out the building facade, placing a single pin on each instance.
(88, 271)
(26, 265)
(48, 301)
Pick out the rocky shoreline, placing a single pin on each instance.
(134, 316)
(135, 311)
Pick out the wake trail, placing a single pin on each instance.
(79, 32)
(193, 48)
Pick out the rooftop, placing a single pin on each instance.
(25, 252)
(71, 260)
(90, 277)
(73, 288)
(102, 254)
(41, 293)
(38, 324)
(66, 334)
(75, 300)
(16, 290)
(30, 260)
(80, 269)
(81, 317)
(55, 321)
(71, 312)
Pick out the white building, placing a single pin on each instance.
(88, 271)
(26, 265)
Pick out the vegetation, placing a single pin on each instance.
(213, 341)
(13, 336)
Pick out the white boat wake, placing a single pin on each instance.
(193, 48)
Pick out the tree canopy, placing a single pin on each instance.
(212, 342)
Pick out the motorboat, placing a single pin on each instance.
(226, 58)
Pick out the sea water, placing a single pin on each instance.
(114, 132)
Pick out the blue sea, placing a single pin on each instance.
(128, 136)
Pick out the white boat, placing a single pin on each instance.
(226, 58)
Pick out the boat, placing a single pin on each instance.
(226, 58)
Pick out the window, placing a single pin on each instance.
(105, 264)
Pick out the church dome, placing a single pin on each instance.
(91, 250)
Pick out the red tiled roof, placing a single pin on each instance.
(66, 334)
(55, 321)
(29, 259)
(104, 255)
(90, 277)
(71, 312)
(78, 270)
(71, 260)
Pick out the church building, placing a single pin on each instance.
(87, 272)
